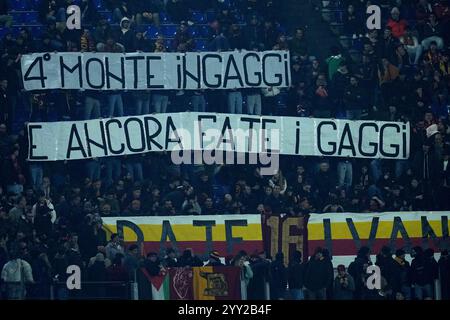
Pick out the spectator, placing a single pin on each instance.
(344, 285)
(170, 261)
(317, 276)
(421, 274)
(357, 269)
(5, 18)
(412, 45)
(397, 25)
(188, 259)
(278, 279)
(260, 265)
(296, 274)
(432, 32)
(114, 247)
(16, 273)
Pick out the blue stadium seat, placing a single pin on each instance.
(31, 17)
(164, 18)
(200, 45)
(198, 17)
(99, 4)
(168, 30)
(168, 44)
(3, 32)
(152, 32)
(18, 5)
(203, 31)
(193, 31)
(210, 16)
(107, 15)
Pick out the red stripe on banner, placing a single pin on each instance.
(347, 247)
(199, 247)
(181, 284)
(233, 276)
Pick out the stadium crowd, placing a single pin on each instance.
(50, 212)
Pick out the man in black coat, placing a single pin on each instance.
(422, 275)
(400, 280)
(357, 269)
(278, 277)
(261, 275)
(296, 273)
(317, 276)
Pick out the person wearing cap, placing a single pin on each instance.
(214, 260)
(126, 37)
(344, 285)
(399, 279)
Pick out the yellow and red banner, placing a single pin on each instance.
(227, 234)
(344, 233)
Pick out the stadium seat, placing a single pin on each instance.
(210, 16)
(200, 45)
(31, 17)
(152, 32)
(164, 18)
(18, 5)
(193, 31)
(168, 30)
(198, 17)
(3, 32)
(203, 31)
(107, 15)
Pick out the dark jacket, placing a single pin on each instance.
(278, 282)
(296, 274)
(257, 285)
(422, 271)
(400, 275)
(356, 270)
(318, 274)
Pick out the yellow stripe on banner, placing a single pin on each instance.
(340, 230)
(201, 283)
(185, 232)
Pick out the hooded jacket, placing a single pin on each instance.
(126, 37)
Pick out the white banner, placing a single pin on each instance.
(206, 132)
(156, 71)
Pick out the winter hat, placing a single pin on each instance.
(215, 255)
(99, 257)
(432, 130)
